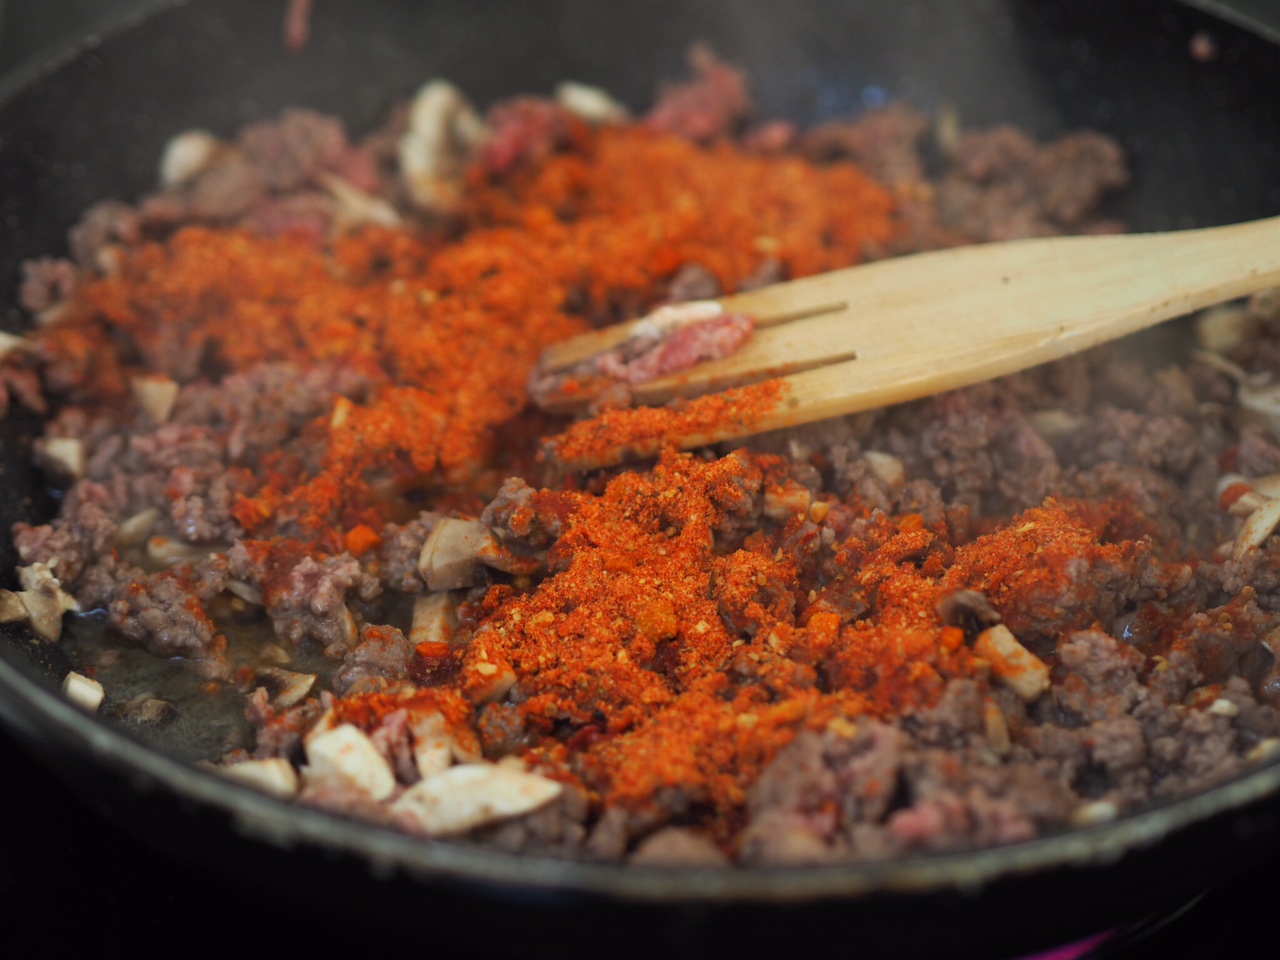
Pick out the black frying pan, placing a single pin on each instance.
(1205, 143)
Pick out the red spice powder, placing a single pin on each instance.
(448, 333)
(633, 433)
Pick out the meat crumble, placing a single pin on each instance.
(288, 403)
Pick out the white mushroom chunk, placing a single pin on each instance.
(1261, 404)
(1056, 424)
(1268, 484)
(12, 609)
(434, 619)
(275, 776)
(1012, 664)
(155, 396)
(433, 746)
(1222, 328)
(472, 795)
(1095, 812)
(443, 131)
(186, 156)
(590, 103)
(786, 500)
(135, 530)
(355, 207)
(285, 687)
(165, 551)
(11, 343)
(44, 599)
(345, 757)
(64, 455)
(85, 692)
(246, 592)
(1257, 527)
(450, 556)
(887, 467)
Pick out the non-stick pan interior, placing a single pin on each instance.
(1204, 137)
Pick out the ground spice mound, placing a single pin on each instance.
(447, 333)
(683, 637)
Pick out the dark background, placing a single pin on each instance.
(67, 873)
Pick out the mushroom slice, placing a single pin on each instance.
(285, 687)
(346, 757)
(62, 455)
(44, 599)
(434, 618)
(886, 466)
(472, 795)
(1257, 527)
(135, 530)
(590, 103)
(444, 130)
(188, 155)
(452, 552)
(156, 396)
(85, 692)
(433, 746)
(274, 775)
(1012, 664)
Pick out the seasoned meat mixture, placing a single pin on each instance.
(288, 402)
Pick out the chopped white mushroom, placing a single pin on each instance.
(356, 207)
(1223, 328)
(63, 455)
(85, 692)
(1268, 484)
(275, 776)
(590, 103)
(44, 599)
(887, 467)
(1264, 751)
(186, 156)
(1012, 664)
(246, 592)
(434, 618)
(451, 554)
(135, 530)
(285, 687)
(1261, 404)
(12, 609)
(9, 343)
(1257, 527)
(433, 746)
(442, 133)
(156, 396)
(1056, 424)
(784, 501)
(1095, 812)
(472, 795)
(1222, 707)
(164, 551)
(345, 757)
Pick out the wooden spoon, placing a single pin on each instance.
(909, 327)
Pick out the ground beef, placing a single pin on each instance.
(163, 614)
(401, 547)
(309, 601)
(381, 656)
(1003, 186)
